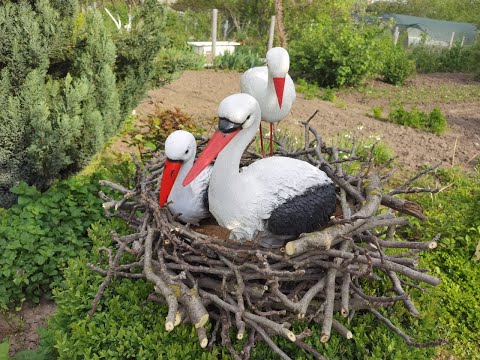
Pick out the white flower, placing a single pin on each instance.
(360, 127)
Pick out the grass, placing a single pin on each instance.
(434, 121)
(455, 214)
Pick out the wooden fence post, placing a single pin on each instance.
(451, 40)
(396, 35)
(214, 34)
(271, 33)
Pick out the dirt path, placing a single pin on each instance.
(198, 93)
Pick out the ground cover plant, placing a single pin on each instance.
(434, 121)
(454, 213)
(40, 234)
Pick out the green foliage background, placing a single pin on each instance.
(66, 85)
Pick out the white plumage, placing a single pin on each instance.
(180, 146)
(243, 199)
(258, 82)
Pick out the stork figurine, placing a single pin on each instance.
(273, 199)
(272, 87)
(188, 203)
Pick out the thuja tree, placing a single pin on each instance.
(65, 85)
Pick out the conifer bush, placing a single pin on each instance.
(66, 84)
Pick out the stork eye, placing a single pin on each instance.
(186, 151)
(248, 117)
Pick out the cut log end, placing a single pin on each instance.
(203, 343)
(301, 316)
(178, 318)
(324, 338)
(344, 312)
(240, 335)
(169, 325)
(349, 335)
(291, 336)
(432, 245)
(290, 248)
(202, 322)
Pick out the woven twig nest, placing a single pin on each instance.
(261, 292)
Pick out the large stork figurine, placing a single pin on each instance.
(272, 87)
(273, 199)
(188, 203)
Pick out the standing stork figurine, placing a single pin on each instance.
(272, 87)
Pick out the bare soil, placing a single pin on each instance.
(21, 328)
(198, 94)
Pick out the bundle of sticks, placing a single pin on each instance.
(261, 292)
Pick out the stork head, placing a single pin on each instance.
(278, 63)
(236, 113)
(180, 147)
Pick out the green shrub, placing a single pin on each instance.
(434, 122)
(66, 84)
(242, 59)
(309, 90)
(437, 122)
(329, 95)
(41, 232)
(377, 112)
(456, 59)
(149, 137)
(336, 52)
(397, 67)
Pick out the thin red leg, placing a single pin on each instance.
(261, 140)
(271, 139)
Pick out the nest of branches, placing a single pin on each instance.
(261, 292)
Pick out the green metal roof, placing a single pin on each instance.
(436, 29)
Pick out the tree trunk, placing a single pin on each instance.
(281, 29)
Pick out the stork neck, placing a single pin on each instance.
(228, 161)
(182, 173)
(270, 84)
(187, 165)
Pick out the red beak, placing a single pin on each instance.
(170, 173)
(218, 141)
(279, 84)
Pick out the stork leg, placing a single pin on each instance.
(261, 140)
(271, 139)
